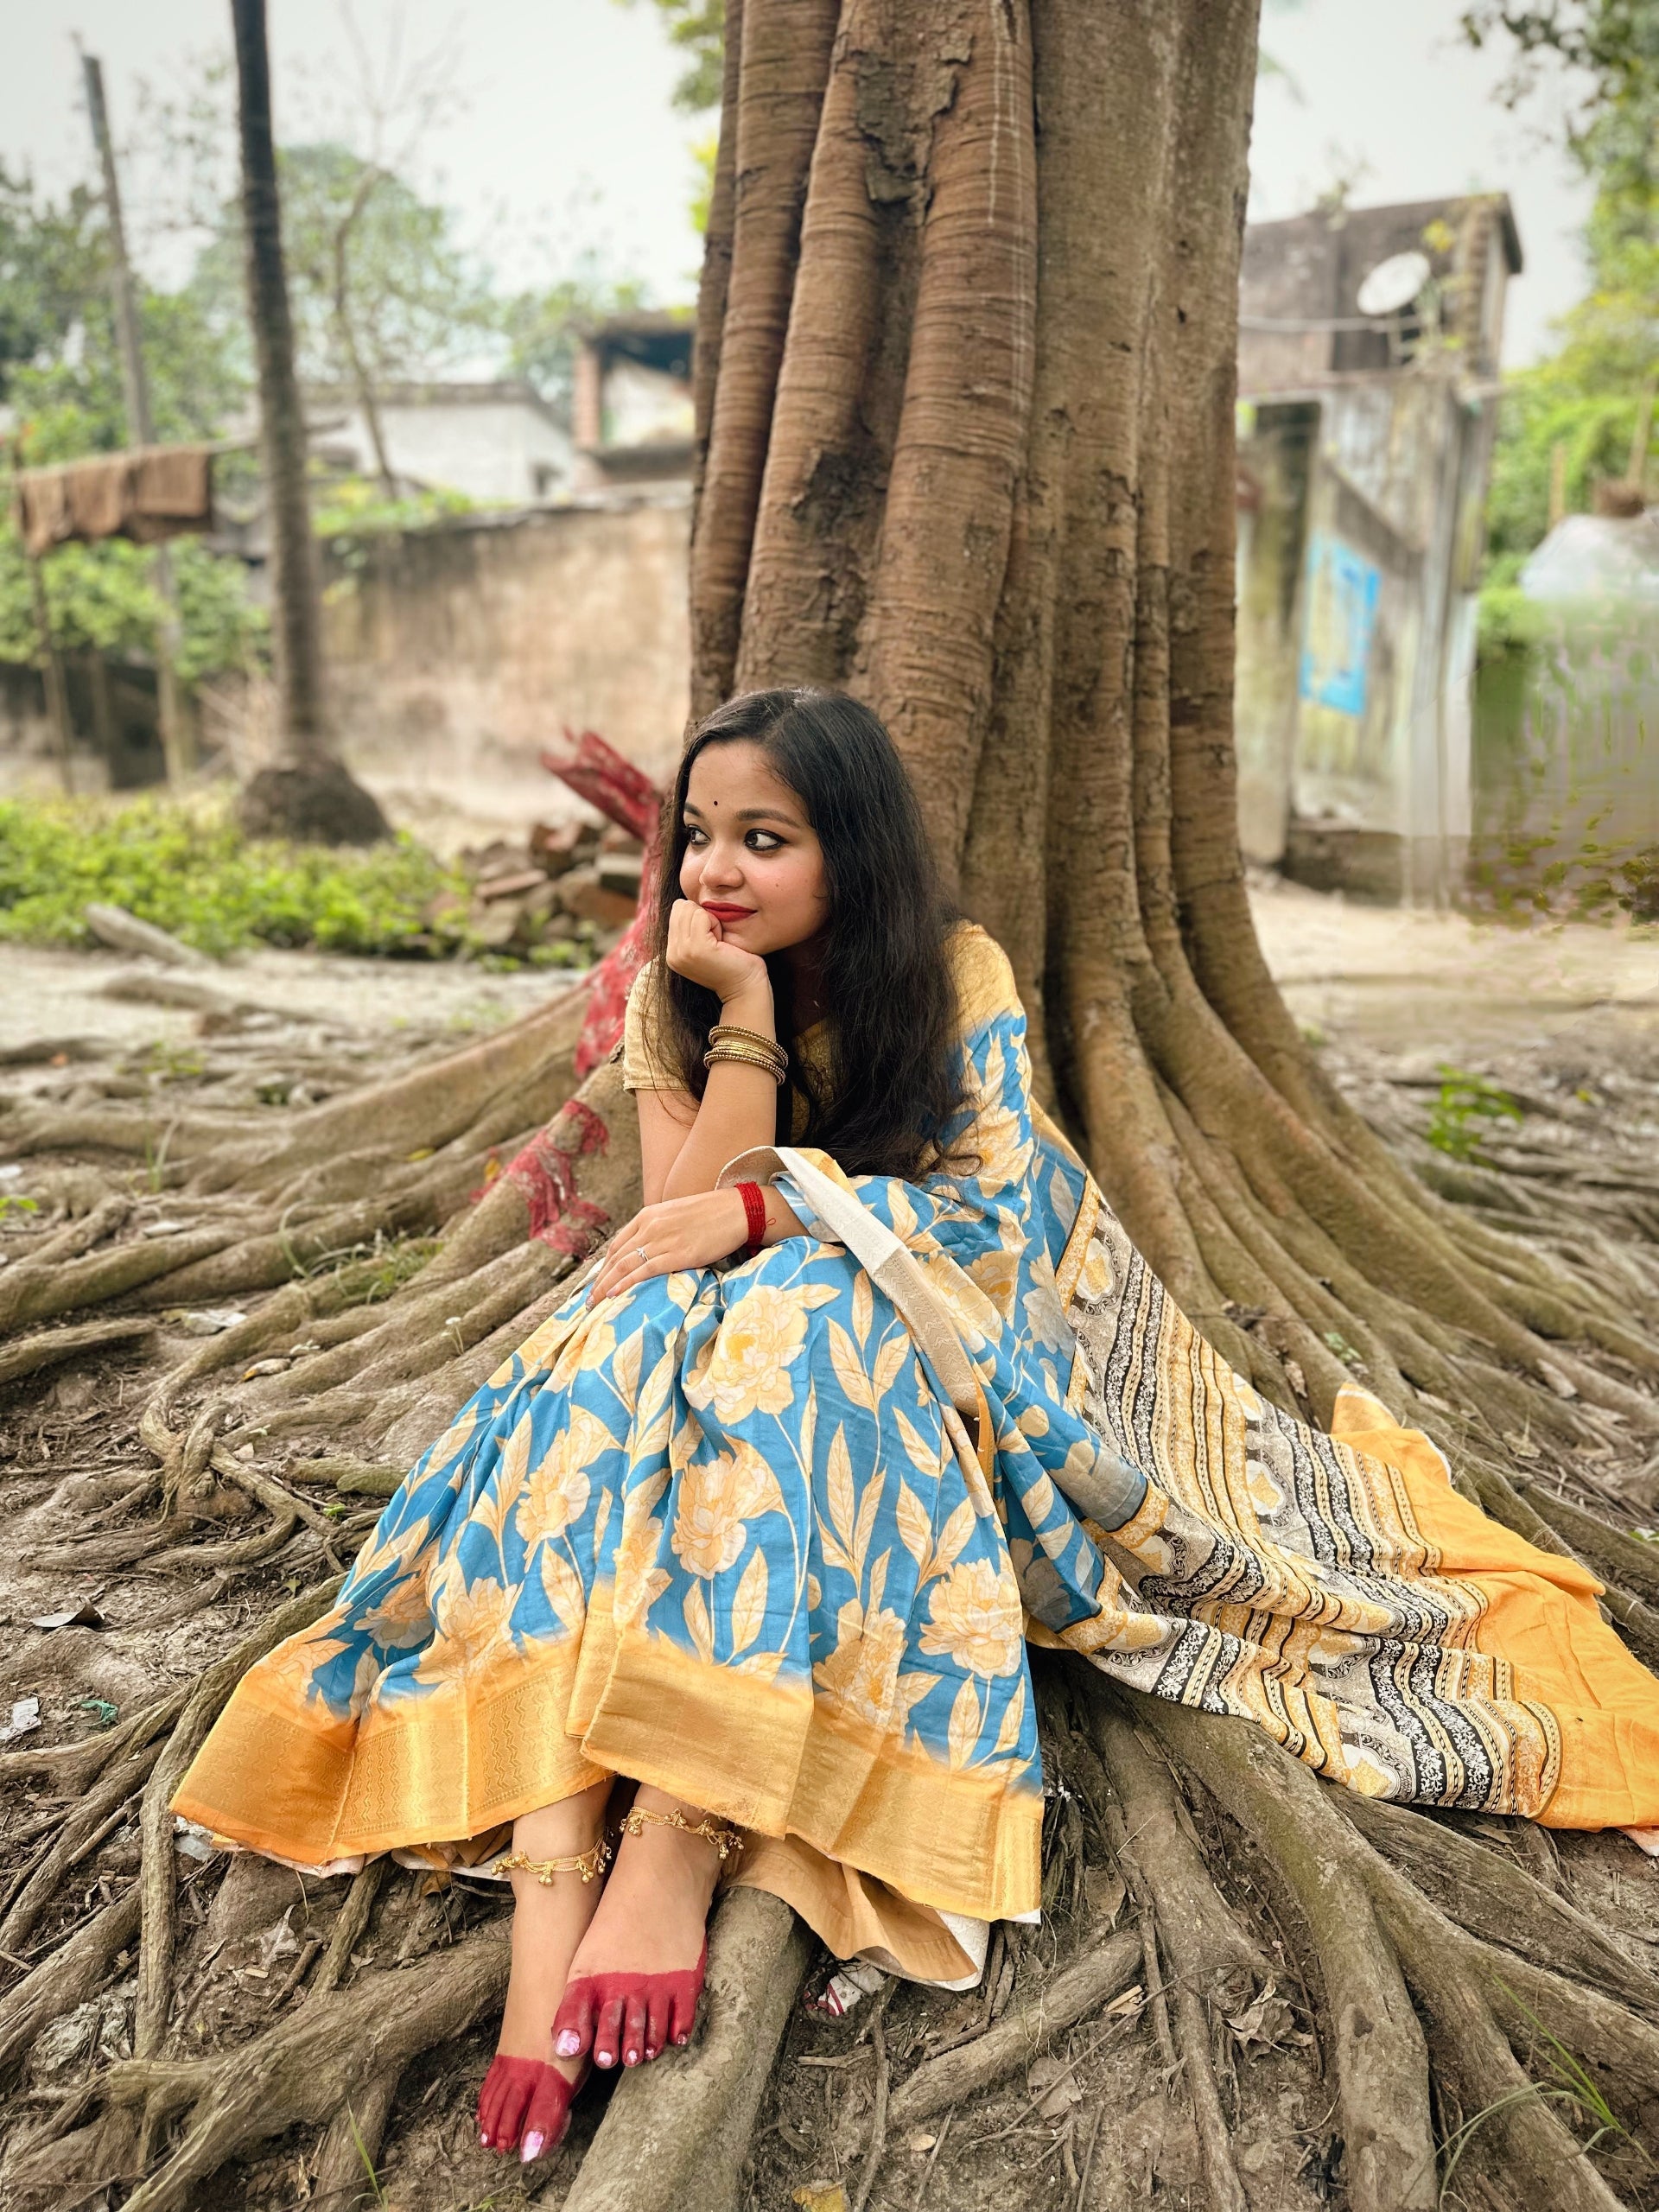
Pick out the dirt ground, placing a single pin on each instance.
(1441, 986)
(1567, 1018)
(1437, 985)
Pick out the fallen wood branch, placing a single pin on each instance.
(66, 1977)
(125, 932)
(1104, 1972)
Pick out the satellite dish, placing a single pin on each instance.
(1394, 284)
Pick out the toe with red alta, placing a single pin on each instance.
(524, 2105)
(628, 2017)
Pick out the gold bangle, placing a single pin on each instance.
(732, 1033)
(725, 1039)
(726, 1841)
(740, 1056)
(590, 1865)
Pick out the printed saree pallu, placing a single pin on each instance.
(773, 1536)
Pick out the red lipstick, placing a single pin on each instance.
(722, 913)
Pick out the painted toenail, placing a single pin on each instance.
(484, 2140)
(532, 2149)
(569, 2044)
(605, 2058)
(679, 2039)
(630, 2058)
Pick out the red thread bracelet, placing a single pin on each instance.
(754, 1213)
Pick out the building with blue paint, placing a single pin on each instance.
(1370, 342)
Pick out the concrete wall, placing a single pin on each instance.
(456, 654)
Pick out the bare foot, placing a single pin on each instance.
(643, 1951)
(549, 1922)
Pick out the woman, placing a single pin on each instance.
(871, 1390)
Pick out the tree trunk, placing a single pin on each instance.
(308, 793)
(966, 386)
(346, 324)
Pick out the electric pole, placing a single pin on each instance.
(178, 735)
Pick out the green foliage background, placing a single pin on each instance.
(1586, 398)
(419, 305)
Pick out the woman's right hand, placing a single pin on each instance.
(698, 952)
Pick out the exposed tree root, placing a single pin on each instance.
(1380, 2060)
(1482, 2010)
(351, 2143)
(206, 1702)
(1209, 1956)
(50, 1347)
(1488, 1894)
(303, 2069)
(372, 1369)
(1105, 1971)
(676, 2133)
(36, 1892)
(70, 1974)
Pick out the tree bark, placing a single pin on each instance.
(967, 449)
(345, 323)
(308, 792)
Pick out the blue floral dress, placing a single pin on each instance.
(729, 1535)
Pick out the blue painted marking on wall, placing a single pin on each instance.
(1342, 594)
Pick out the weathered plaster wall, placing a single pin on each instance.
(456, 654)
(1276, 458)
(1357, 560)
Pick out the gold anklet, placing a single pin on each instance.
(590, 1865)
(726, 1841)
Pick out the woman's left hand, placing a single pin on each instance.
(689, 1232)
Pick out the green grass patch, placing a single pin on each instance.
(1464, 1112)
(187, 869)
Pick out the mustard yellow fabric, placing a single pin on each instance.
(1539, 1619)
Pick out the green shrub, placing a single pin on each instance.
(1462, 1112)
(187, 869)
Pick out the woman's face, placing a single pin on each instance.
(752, 862)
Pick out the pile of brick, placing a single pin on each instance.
(574, 883)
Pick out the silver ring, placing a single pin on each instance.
(641, 1251)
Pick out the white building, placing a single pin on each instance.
(631, 404)
(498, 441)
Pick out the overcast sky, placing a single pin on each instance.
(562, 139)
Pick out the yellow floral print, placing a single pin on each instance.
(861, 1673)
(556, 1488)
(404, 1615)
(475, 1632)
(639, 1580)
(717, 1499)
(997, 1275)
(747, 1370)
(974, 1617)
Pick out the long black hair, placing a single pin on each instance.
(896, 1075)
